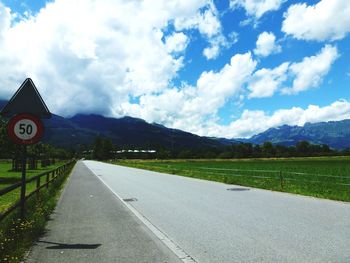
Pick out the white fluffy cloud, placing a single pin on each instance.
(211, 52)
(257, 8)
(177, 42)
(89, 56)
(265, 82)
(189, 107)
(207, 21)
(326, 20)
(304, 75)
(5, 19)
(253, 122)
(310, 72)
(266, 45)
(208, 24)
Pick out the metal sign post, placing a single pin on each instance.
(23, 180)
(25, 109)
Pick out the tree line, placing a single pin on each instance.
(103, 149)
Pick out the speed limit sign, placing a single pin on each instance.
(25, 129)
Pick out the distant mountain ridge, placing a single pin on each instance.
(335, 134)
(132, 132)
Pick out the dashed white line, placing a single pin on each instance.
(175, 248)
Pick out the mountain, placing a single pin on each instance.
(336, 134)
(124, 132)
(132, 132)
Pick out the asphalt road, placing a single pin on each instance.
(213, 224)
(91, 225)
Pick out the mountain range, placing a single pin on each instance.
(124, 132)
(131, 132)
(335, 134)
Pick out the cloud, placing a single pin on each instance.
(266, 45)
(219, 42)
(310, 72)
(205, 20)
(95, 56)
(257, 8)
(8, 70)
(5, 19)
(189, 107)
(208, 24)
(265, 82)
(304, 75)
(326, 20)
(211, 52)
(254, 122)
(177, 42)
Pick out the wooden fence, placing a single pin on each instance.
(48, 177)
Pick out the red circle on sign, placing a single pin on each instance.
(25, 129)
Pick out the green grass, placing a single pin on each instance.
(8, 178)
(323, 177)
(17, 236)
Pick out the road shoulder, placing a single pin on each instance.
(90, 224)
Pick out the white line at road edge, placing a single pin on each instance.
(175, 248)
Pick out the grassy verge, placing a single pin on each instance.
(8, 178)
(17, 236)
(323, 177)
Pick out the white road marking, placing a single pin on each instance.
(175, 248)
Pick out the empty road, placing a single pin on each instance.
(90, 225)
(213, 224)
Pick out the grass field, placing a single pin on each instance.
(8, 178)
(324, 177)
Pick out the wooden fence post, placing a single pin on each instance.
(37, 185)
(47, 180)
(281, 180)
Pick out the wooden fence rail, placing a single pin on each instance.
(49, 177)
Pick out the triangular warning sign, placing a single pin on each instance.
(26, 100)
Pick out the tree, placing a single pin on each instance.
(97, 149)
(225, 155)
(102, 149)
(303, 148)
(107, 149)
(268, 149)
(6, 145)
(282, 151)
(325, 148)
(163, 153)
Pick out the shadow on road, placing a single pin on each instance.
(69, 246)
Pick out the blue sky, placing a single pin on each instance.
(230, 68)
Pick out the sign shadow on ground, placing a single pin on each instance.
(57, 245)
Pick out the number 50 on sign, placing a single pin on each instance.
(25, 129)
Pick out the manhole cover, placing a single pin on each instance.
(129, 199)
(238, 189)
